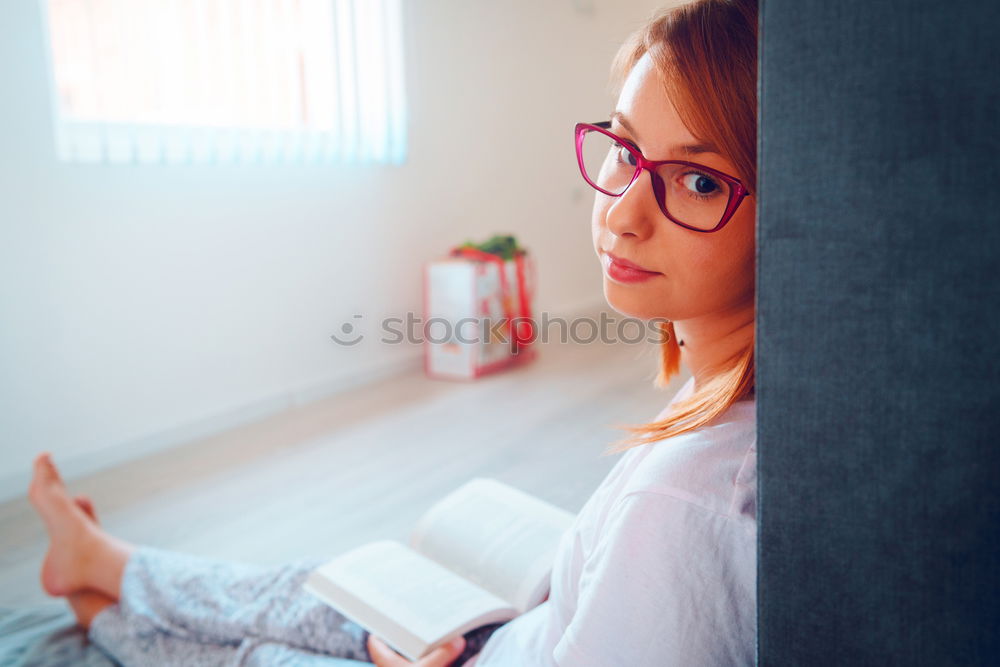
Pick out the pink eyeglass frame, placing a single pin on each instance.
(737, 190)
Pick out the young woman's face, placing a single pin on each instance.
(696, 274)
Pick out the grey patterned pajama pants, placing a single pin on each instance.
(178, 609)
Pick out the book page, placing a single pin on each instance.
(410, 601)
(497, 536)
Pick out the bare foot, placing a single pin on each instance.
(80, 554)
(87, 604)
(69, 527)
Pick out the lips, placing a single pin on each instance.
(627, 264)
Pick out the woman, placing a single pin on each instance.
(660, 566)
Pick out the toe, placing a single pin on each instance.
(46, 491)
(43, 466)
(47, 468)
(87, 505)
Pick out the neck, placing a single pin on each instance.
(712, 340)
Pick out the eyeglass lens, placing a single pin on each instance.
(694, 197)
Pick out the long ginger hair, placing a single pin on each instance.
(705, 53)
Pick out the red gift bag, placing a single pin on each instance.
(477, 312)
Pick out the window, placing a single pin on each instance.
(227, 80)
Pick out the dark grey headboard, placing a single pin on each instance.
(878, 341)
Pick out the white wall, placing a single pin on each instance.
(141, 306)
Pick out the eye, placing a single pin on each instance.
(700, 185)
(624, 155)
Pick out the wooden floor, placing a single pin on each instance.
(363, 465)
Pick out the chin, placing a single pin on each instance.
(630, 302)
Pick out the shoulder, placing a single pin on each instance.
(713, 467)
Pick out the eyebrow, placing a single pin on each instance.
(690, 149)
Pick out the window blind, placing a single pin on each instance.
(140, 81)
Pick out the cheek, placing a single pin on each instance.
(727, 268)
(743, 245)
(597, 217)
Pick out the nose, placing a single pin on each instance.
(635, 213)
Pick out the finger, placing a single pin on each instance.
(443, 655)
(382, 655)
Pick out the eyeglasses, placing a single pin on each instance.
(692, 195)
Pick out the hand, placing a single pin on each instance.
(383, 656)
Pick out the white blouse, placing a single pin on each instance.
(659, 567)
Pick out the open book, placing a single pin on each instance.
(482, 554)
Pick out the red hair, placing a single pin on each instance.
(705, 53)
